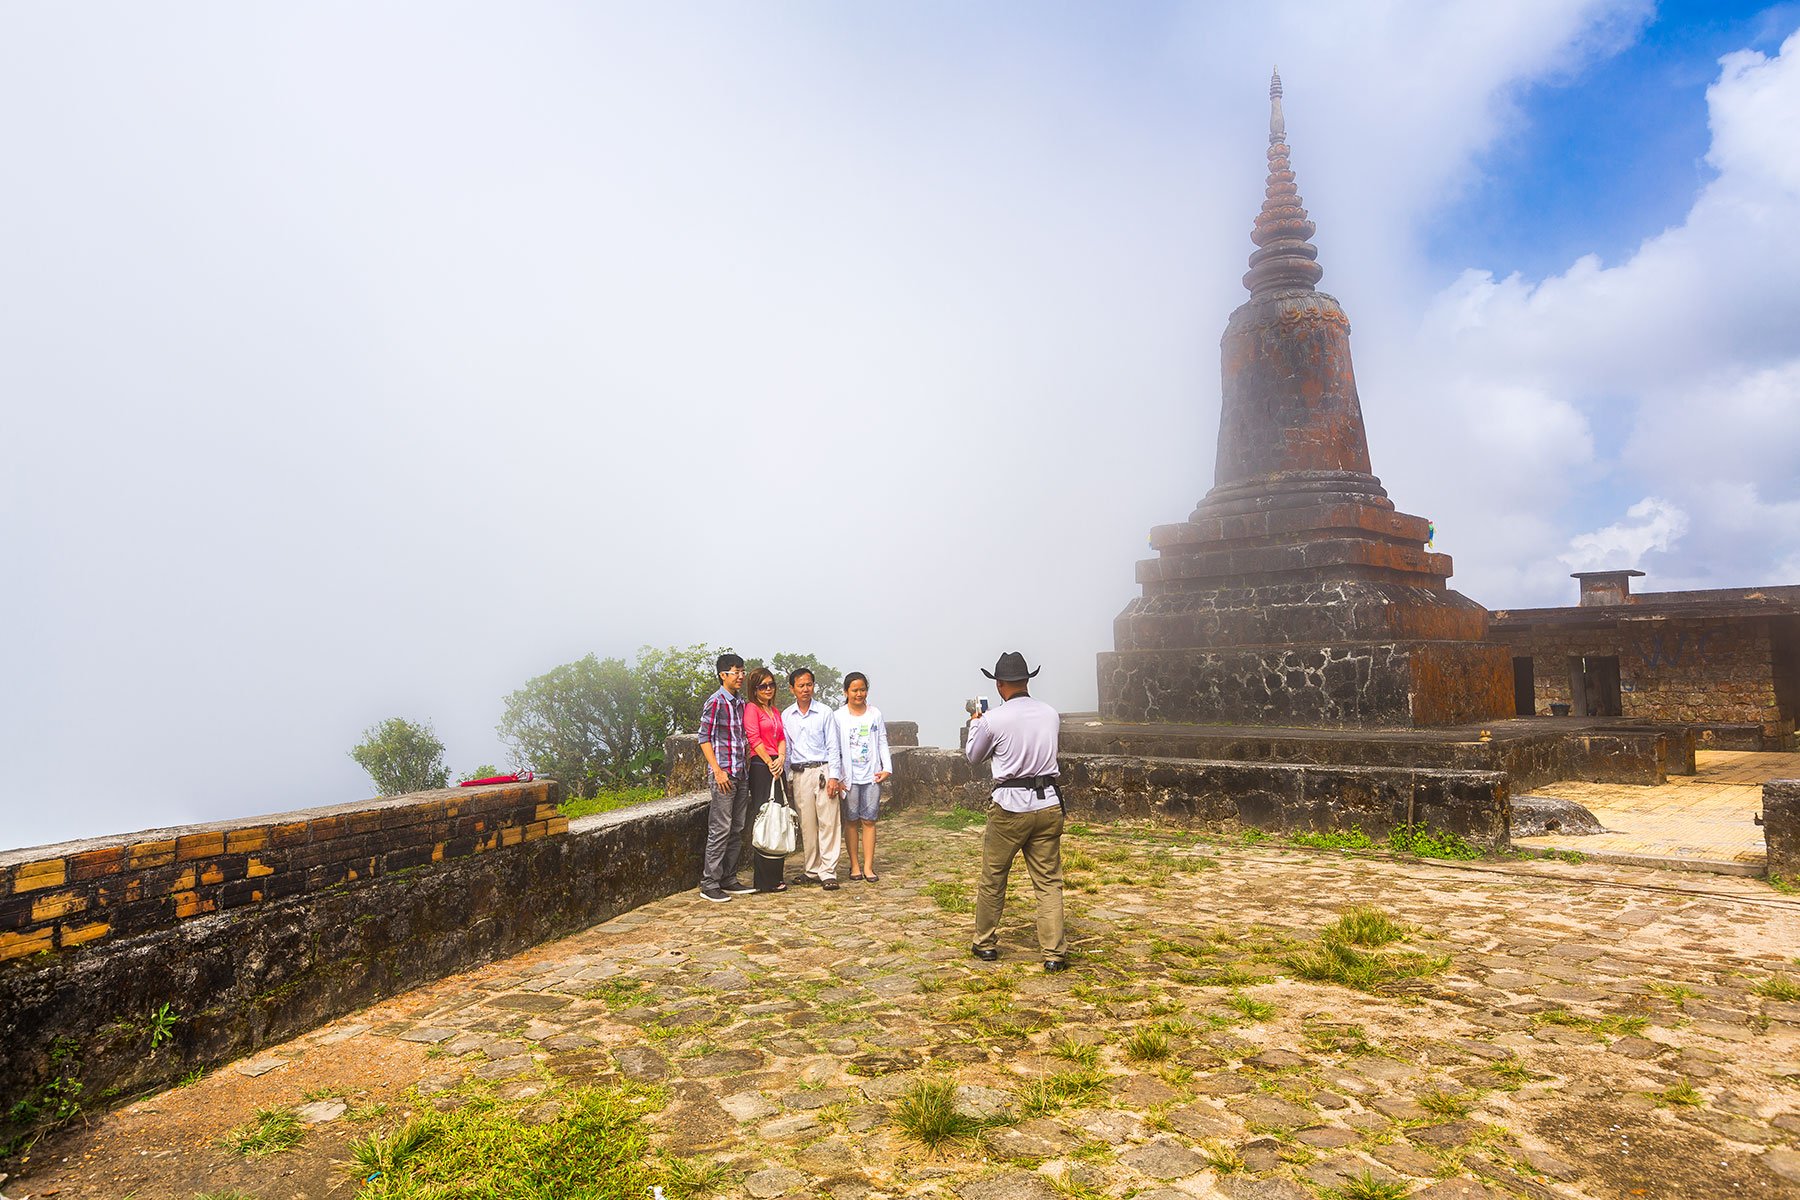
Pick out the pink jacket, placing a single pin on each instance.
(763, 731)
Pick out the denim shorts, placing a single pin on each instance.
(862, 802)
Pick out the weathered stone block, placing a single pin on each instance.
(1781, 827)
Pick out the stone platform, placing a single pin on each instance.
(1700, 822)
(1531, 750)
(1551, 1056)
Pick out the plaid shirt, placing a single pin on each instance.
(722, 724)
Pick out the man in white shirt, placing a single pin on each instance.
(1027, 814)
(808, 729)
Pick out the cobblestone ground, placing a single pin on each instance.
(1594, 1032)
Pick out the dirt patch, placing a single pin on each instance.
(167, 1146)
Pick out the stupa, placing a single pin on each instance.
(1295, 594)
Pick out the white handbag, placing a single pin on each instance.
(776, 831)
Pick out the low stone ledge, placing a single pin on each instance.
(1781, 827)
(258, 973)
(1280, 797)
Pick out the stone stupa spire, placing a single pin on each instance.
(1284, 257)
(1295, 593)
(1290, 426)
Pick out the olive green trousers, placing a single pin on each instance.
(1038, 836)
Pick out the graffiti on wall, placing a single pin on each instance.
(1675, 648)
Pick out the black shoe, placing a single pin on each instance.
(714, 894)
(735, 888)
(1053, 965)
(985, 953)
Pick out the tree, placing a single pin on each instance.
(830, 691)
(401, 756)
(601, 722)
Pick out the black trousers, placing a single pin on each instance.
(765, 869)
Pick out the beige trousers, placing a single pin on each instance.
(821, 826)
(1038, 836)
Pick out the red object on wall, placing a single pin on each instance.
(521, 777)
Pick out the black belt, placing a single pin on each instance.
(1037, 783)
(804, 766)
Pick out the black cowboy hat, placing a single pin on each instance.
(1011, 669)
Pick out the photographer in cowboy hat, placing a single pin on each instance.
(1027, 814)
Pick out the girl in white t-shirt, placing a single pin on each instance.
(859, 763)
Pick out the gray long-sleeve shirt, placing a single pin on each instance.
(1021, 736)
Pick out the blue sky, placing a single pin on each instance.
(361, 361)
(1600, 157)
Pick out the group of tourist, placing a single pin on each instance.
(830, 766)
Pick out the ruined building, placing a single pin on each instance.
(1725, 662)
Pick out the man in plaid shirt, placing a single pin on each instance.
(722, 742)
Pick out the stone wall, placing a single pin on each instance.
(1280, 797)
(331, 910)
(1781, 827)
(685, 769)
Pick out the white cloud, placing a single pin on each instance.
(1674, 373)
(1651, 524)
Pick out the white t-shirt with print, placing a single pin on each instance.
(859, 745)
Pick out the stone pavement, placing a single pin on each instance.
(1570, 1031)
(1703, 821)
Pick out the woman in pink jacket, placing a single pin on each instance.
(767, 740)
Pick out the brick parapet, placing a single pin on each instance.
(265, 972)
(76, 893)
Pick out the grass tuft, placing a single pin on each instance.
(1082, 1054)
(1147, 1044)
(1064, 1183)
(1066, 1089)
(1367, 1187)
(1680, 1095)
(1426, 842)
(1333, 839)
(608, 799)
(595, 1148)
(1330, 1037)
(684, 1178)
(1445, 1104)
(1778, 987)
(958, 817)
(1337, 962)
(1366, 925)
(388, 1152)
(1600, 1027)
(273, 1130)
(1222, 1157)
(927, 1114)
(951, 897)
(1249, 1006)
